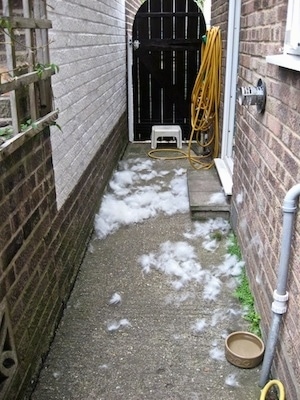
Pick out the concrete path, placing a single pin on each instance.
(164, 339)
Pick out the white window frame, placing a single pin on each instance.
(292, 32)
(291, 53)
(224, 164)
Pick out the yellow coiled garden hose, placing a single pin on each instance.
(205, 102)
(274, 382)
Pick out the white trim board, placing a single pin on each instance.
(224, 175)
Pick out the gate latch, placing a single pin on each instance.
(136, 44)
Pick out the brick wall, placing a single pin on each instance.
(88, 44)
(266, 165)
(42, 247)
(51, 187)
(131, 9)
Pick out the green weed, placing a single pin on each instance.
(217, 235)
(233, 247)
(40, 68)
(243, 292)
(6, 132)
(244, 295)
(26, 125)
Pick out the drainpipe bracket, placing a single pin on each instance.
(289, 206)
(279, 305)
(280, 297)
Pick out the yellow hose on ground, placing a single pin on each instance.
(274, 382)
(205, 102)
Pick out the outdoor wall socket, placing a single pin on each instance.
(253, 95)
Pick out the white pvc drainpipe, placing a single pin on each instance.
(280, 296)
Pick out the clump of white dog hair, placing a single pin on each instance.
(103, 366)
(231, 266)
(212, 287)
(177, 260)
(217, 354)
(240, 198)
(178, 298)
(115, 299)
(199, 325)
(206, 228)
(115, 325)
(91, 248)
(217, 198)
(128, 200)
(217, 317)
(210, 244)
(231, 380)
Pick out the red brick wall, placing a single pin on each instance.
(41, 248)
(131, 10)
(266, 165)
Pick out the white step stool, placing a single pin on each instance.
(166, 131)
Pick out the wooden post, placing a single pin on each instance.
(31, 60)
(11, 66)
(42, 57)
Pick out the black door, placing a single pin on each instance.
(167, 37)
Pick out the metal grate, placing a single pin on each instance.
(8, 360)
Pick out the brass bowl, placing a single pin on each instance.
(244, 349)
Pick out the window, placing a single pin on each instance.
(291, 56)
(292, 33)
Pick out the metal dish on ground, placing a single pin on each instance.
(244, 349)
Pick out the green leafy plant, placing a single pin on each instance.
(243, 292)
(27, 124)
(217, 235)
(233, 247)
(244, 295)
(40, 68)
(5, 23)
(200, 3)
(6, 132)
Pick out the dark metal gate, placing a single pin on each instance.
(167, 37)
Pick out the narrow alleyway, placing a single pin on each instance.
(153, 301)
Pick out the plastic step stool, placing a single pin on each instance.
(166, 131)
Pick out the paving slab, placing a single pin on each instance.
(156, 352)
(206, 195)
